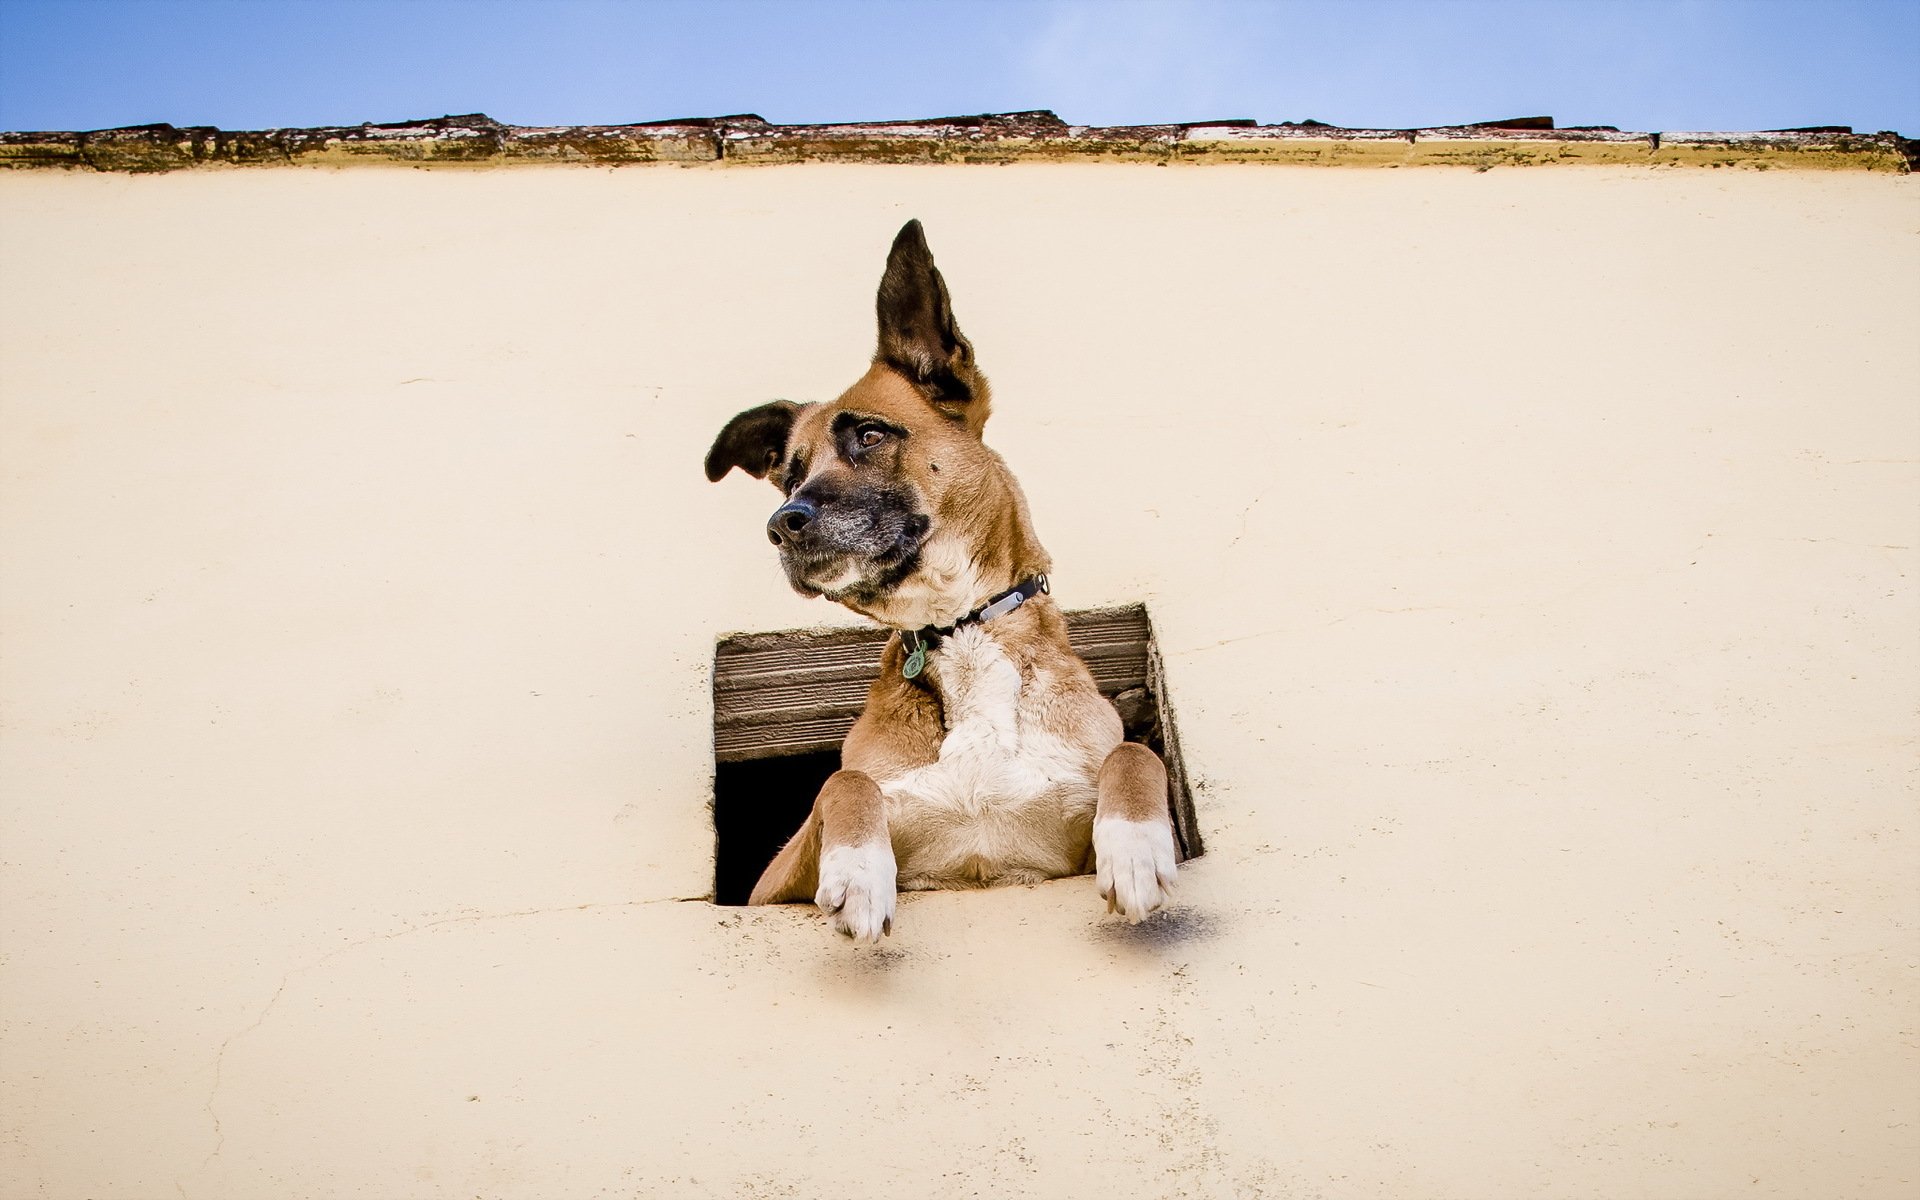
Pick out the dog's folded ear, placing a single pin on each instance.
(752, 441)
(918, 335)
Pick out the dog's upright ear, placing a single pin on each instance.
(918, 335)
(752, 441)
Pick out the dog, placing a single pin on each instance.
(985, 754)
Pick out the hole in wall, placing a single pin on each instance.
(782, 703)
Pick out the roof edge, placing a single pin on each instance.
(475, 139)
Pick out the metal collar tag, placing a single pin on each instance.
(1002, 606)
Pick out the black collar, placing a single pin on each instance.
(929, 637)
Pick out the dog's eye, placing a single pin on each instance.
(869, 436)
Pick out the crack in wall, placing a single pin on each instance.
(286, 980)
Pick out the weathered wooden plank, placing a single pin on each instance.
(799, 691)
(800, 736)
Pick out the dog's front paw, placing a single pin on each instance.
(1134, 865)
(857, 887)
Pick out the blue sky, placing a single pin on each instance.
(1637, 64)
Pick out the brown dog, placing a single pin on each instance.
(985, 754)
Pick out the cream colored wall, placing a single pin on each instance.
(1533, 551)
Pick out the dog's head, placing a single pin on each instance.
(894, 507)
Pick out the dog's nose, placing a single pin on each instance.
(790, 521)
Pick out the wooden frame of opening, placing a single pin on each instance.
(782, 703)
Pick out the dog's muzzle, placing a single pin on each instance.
(847, 548)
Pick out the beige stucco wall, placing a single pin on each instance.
(1533, 551)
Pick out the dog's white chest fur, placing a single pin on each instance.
(1008, 800)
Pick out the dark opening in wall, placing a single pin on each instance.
(782, 702)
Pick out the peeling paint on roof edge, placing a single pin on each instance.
(478, 140)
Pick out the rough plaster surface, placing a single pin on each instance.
(1533, 554)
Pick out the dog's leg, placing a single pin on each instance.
(795, 871)
(858, 877)
(1133, 833)
(843, 856)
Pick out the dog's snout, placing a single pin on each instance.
(791, 520)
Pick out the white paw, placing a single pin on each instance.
(1134, 865)
(857, 885)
